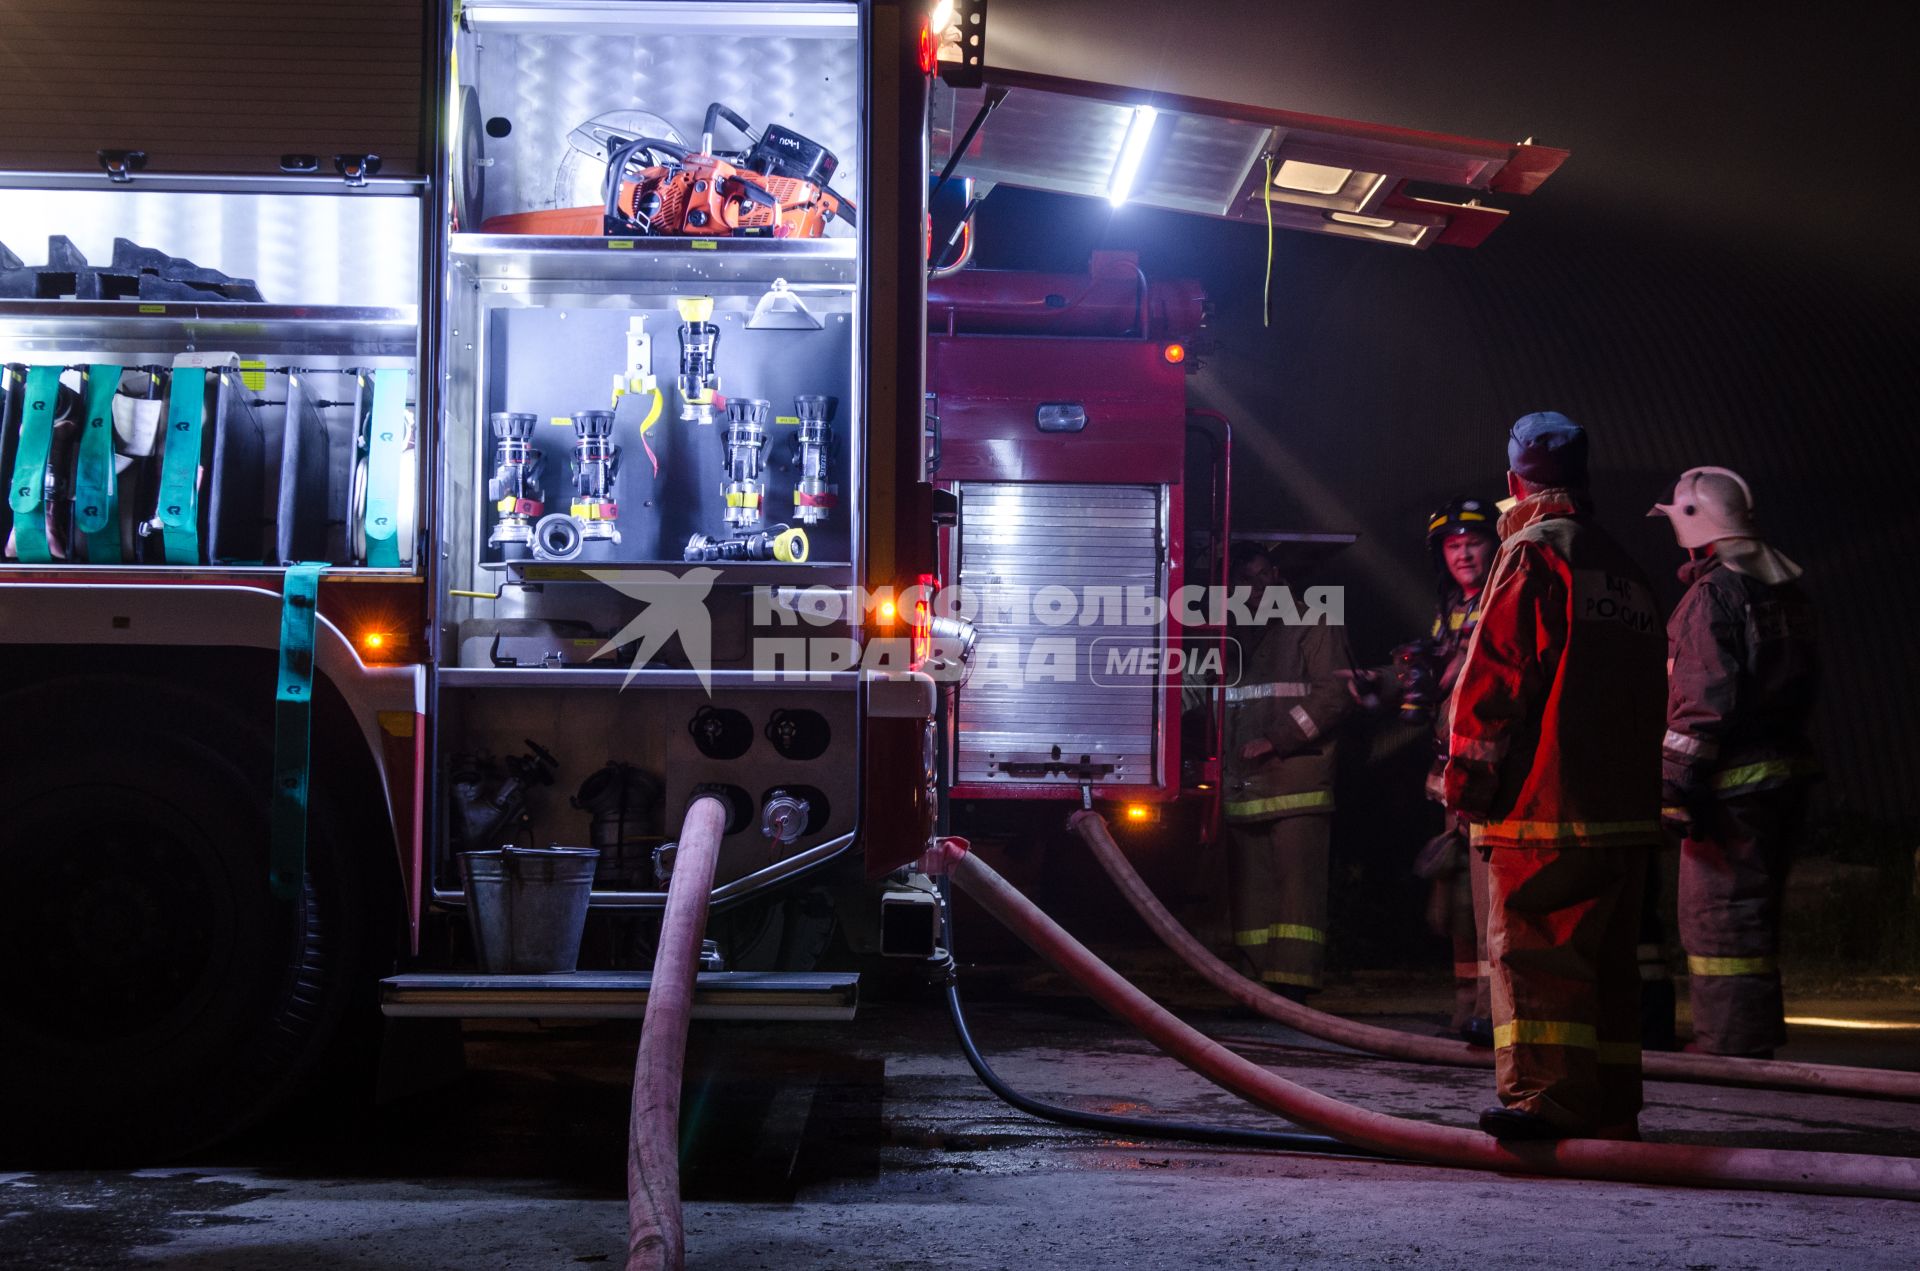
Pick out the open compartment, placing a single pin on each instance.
(207, 363)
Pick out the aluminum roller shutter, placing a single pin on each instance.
(1080, 537)
(217, 87)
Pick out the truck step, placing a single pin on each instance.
(719, 995)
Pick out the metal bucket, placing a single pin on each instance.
(527, 907)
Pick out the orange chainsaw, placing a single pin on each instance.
(776, 189)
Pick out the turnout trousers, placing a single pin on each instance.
(1562, 925)
(1733, 872)
(1279, 886)
(1467, 929)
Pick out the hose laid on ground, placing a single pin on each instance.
(1758, 1168)
(656, 1240)
(1720, 1070)
(1106, 1122)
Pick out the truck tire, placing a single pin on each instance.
(154, 996)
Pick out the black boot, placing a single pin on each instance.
(1656, 1016)
(1478, 1031)
(1513, 1125)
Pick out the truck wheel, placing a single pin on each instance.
(154, 996)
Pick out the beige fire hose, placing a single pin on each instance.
(1721, 1070)
(656, 1239)
(1758, 1168)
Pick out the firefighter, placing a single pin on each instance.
(1736, 759)
(1553, 744)
(1281, 713)
(1462, 541)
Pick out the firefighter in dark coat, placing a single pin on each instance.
(1463, 541)
(1736, 759)
(1554, 762)
(1281, 713)
(1416, 685)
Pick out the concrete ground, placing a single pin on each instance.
(872, 1146)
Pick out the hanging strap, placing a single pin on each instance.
(386, 436)
(293, 731)
(28, 495)
(96, 496)
(179, 514)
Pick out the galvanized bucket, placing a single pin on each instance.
(527, 907)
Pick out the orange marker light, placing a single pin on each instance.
(888, 612)
(929, 47)
(373, 641)
(1175, 353)
(1138, 812)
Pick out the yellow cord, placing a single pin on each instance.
(1266, 288)
(653, 414)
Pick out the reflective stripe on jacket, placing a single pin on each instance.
(1556, 718)
(1740, 682)
(1289, 694)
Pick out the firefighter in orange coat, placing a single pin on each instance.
(1554, 762)
(1281, 712)
(1740, 687)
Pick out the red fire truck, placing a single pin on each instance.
(438, 428)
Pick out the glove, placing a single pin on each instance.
(1443, 856)
(1469, 788)
(1686, 807)
(1372, 691)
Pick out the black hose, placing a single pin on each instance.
(1139, 1127)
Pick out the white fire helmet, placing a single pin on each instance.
(1709, 504)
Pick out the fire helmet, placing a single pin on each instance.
(1462, 516)
(1709, 504)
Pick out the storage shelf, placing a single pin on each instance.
(732, 573)
(526, 677)
(128, 575)
(711, 263)
(718, 995)
(56, 326)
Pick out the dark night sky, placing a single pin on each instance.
(1723, 272)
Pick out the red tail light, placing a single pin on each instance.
(920, 617)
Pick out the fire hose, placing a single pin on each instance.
(1765, 1169)
(1107, 1122)
(1721, 1070)
(656, 1239)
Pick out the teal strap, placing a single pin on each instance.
(293, 731)
(180, 466)
(28, 495)
(386, 435)
(96, 498)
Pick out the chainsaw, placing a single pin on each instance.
(778, 188)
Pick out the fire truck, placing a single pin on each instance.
(434, 428)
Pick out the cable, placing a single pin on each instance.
(1266, 288)
(1141, 1127)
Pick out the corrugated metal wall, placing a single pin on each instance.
(1388, 382)
(1388, 379)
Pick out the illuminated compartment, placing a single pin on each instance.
(639, 395)
(209, 378)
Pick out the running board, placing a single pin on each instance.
(719, 995)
